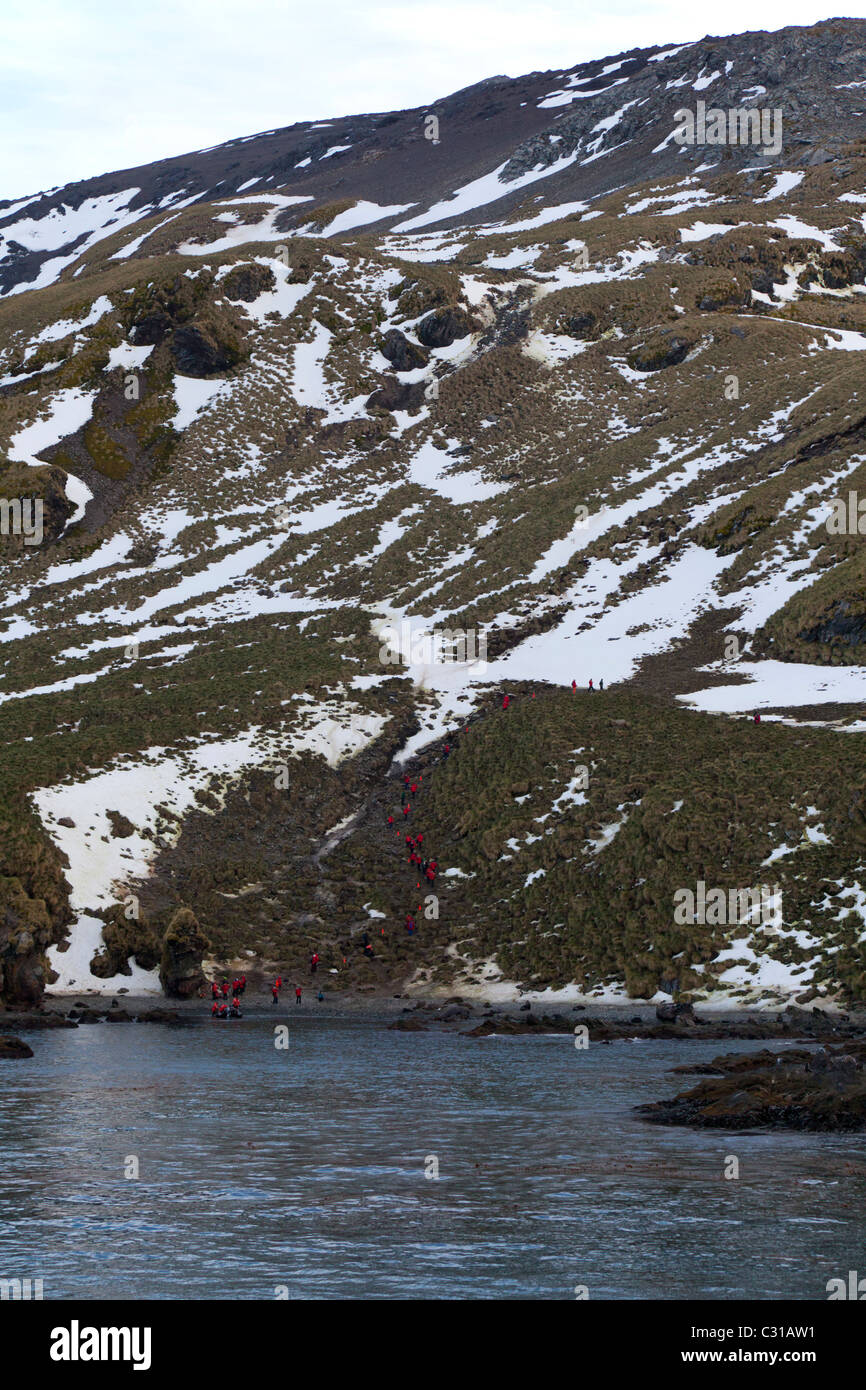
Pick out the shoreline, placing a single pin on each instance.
(412, 1009)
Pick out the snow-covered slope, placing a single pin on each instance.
(596, 422)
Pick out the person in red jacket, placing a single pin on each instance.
(419, 838)
(243, 983)
(297, 994)
(314, 961)
(215, 1008)
(406, 810)
(574, 685)
(214, 990)
(505, 701)
(275, 994)
(225, 989)
(390, 820)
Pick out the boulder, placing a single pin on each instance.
(13, 1047)
(444, 326)
(247, 282)
(397, 395)
(151, 329)
(403, 355)
(669, 1012)
(454, 1013)
(199, 351)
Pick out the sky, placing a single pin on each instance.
(95, 86)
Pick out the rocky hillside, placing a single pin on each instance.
(521, 367)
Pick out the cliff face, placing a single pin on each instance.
(34, 909)
(344, 431)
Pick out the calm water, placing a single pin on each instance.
(306, 1168)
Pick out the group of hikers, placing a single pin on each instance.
(416, 854)
(278, 983)
(221, 1008)
(417, 858)
(428, 867)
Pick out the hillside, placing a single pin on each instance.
(553, 380)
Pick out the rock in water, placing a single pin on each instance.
(675, 1013)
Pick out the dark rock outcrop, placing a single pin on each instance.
(786, 1090)
(202, 350)
(183, 947)
(403, 355)
(444, 326)
(247, 282)
(666, 348)
(397, 395)
(23, 487)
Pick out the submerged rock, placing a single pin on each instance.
(13, 1047)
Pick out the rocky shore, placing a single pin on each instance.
(669, 1021)
(605, 1022)
(821, 1090)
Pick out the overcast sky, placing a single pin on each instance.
(90, 86)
